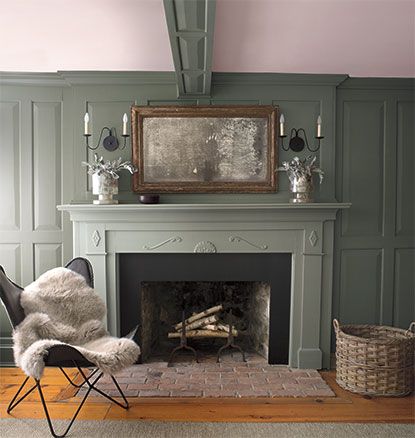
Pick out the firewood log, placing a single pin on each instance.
(197, 316)
(199, 334)
(225, 328)
(200, 322)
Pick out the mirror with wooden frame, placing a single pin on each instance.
(204, 149)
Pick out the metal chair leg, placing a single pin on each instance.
(45, 408)
(72, 382)
(92, 386)
(12, 405)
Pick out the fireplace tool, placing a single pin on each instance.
(183, 341)
(230, 341)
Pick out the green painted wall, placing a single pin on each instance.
(375, 256)
(367, 155)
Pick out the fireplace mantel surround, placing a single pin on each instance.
(100, 232)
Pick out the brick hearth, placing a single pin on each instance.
(228, 379)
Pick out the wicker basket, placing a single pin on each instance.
(375, 360)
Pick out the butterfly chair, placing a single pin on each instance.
(58, 355)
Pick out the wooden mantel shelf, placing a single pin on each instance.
(229, 207)
(197, 212)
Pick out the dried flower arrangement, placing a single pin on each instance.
(297, 168)
(109, 168)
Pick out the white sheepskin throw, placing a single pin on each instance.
(61, 308)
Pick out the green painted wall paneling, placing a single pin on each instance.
(374, 266)
(367, 155)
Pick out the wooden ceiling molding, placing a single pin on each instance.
(191, 24)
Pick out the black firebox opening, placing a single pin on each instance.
(134, 269)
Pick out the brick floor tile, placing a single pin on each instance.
(285, 393)
(233, 381)
(236, 387)
(221, 393)
(293, 385)
(143, 386)
(171, 387)
(253, 393)
(159, 380)
(131, 392)
(266, 387)
(207, 387)
(299, 373)
(249, 380)
(215, 375)
(309, 380)
(275, 384)
(154, 393)
(226, 369)
(186, 393)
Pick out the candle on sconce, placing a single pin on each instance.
(86, 124)
(282, 121)
(124, 124)
(319, 126)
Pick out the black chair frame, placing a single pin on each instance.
(60, 355)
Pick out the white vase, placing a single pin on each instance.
(105, 186)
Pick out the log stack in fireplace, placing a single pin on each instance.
(205, 324)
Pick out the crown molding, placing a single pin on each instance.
(32, 78)
(118, 77)
(277, 79)
(68, 78)
(378, 83)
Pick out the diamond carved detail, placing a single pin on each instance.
(96, 238)
(313, 238)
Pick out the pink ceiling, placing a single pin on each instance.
(358, 37)
(50, 35)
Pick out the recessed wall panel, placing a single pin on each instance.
(9, 166)
(47, 256)
(360, 286)
(404, 290)
(10, 259)
(47, 146)
(362, 159)
(405, 187)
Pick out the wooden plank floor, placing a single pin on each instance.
(345, 407)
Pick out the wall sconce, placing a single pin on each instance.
(297, 143)
(110, 142)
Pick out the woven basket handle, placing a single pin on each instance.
(411, 327)
(336, 325)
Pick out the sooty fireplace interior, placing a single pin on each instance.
(248, 292)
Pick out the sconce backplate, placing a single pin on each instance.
(297, 144)
(110, 143)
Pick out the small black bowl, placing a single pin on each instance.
(149, 199)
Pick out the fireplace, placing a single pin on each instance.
(111, 235)
(255, 287)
